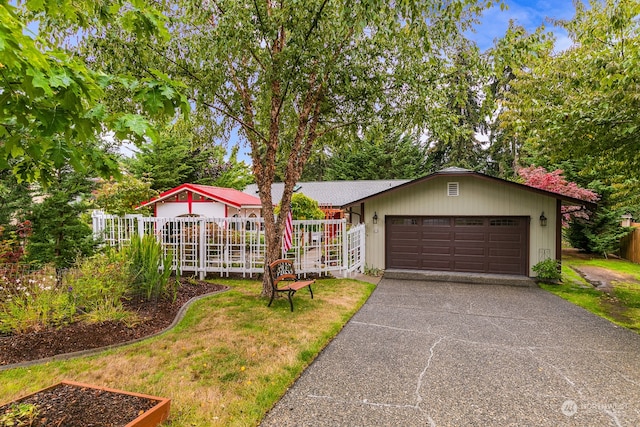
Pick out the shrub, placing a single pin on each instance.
(30, 301)
(98, 285)
(150, 269)
(549, 269)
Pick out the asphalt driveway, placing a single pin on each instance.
(424, 353)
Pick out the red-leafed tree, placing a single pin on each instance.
(539, 177)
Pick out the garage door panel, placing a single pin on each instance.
(412, 264)
(437, 250)
(470, 251)
(406, 236)
(505, 253)
(437, 236)
(407, 244)
(505, 268)
(470, 236)
(505, 238)
(468, 266)
(466, 244)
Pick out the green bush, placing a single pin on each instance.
(98, 285)
(549, 269)
(32, 301)
(150, 269)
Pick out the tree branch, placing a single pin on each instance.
(312, 27)
(237, 119)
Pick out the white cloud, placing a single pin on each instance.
(529, 13)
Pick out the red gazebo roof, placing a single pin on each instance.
(228, 196)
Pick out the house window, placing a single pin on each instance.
(453, 189)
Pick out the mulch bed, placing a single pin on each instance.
(154, 317)
(73, 406)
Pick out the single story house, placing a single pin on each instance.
(333, 196)
(204, 201)
(462, 221)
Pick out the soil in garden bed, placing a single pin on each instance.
(73, 406)
(154, 317)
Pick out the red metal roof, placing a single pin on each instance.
(228, 196)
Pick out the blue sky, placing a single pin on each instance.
(528, 13)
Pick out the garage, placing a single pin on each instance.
(462, 222)
(478, 244)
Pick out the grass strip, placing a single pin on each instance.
(621, 305)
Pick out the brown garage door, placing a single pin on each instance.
(466, 244)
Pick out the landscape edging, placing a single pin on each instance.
(65, 356)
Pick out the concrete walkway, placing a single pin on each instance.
(425, 353)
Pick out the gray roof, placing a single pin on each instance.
(332, 193)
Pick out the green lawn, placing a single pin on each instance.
(621, 305)
(227, 362)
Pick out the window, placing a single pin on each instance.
(469, 222)
(404, 221)
(438, 222)
(453, 189)
(504, 222)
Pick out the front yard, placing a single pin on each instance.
(617, 297)
(227, 362)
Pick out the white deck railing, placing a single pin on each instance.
(237, 245)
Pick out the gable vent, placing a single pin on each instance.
(453, 189)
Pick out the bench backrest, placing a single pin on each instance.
(281, 269)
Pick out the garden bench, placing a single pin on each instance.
(284, 280)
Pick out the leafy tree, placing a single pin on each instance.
(582, 103)
(303, 207)
(601, 232)
(289, 74)
(50, 109)
(511, 55)
(538, 177)
(123, 196)
(595, 232)
(59, 235)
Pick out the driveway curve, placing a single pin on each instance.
(423, 353)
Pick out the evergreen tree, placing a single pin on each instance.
(454, 141)
(601, 232)
(59, 234)
(182, 155)
(379, 155)
(15, 200)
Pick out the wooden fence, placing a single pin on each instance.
(237, 245)
(630, 245)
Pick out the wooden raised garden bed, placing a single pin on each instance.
(73, 404)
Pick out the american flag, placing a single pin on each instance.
(287, 238)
